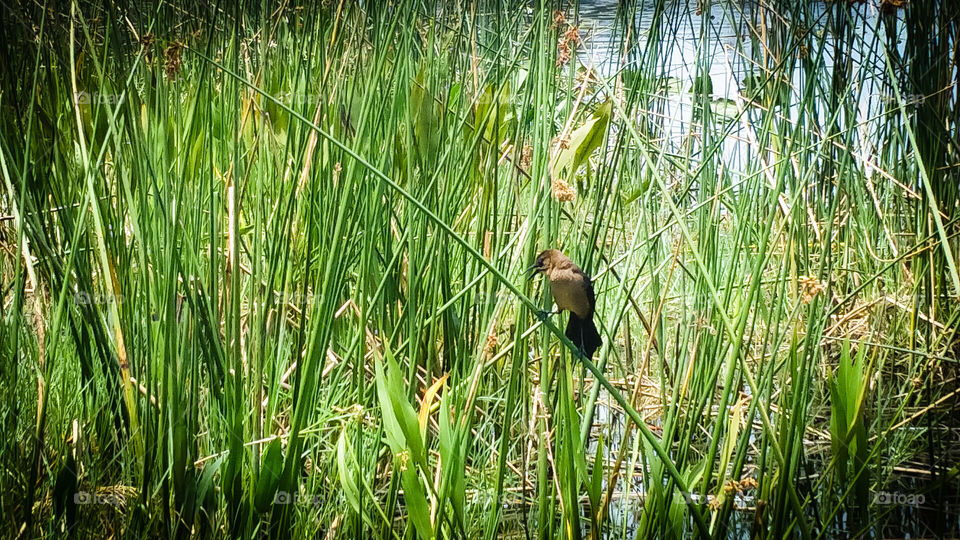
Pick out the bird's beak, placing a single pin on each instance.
(532, 271)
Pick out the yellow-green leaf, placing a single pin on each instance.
(582, 142)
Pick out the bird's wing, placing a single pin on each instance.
(591, 298)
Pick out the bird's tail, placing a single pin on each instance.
(583, 333)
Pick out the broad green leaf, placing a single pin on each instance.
(270, 470)
(194, 162)
(452, 456)
(205, 484)
(426, 114)
(582, 142)
(493, 113)
(399, 418)
(345, 470)
(414, 499)
(404, 412)
(400, 155)
(391, 428)
(596, 480)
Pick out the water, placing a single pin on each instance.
(722, 40)
(680, 42)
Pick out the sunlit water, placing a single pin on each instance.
(721, 41)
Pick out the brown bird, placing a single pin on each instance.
(572, 291)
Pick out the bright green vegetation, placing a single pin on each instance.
(262, 272)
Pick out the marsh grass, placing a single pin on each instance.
(262, 271)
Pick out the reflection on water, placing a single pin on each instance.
(721, 41)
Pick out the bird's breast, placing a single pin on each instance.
(571, 295)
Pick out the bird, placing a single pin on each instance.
(572, 291)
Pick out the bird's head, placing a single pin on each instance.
(545, 261)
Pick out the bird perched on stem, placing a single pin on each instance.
(572, 291)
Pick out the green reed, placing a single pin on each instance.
(262, 271)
